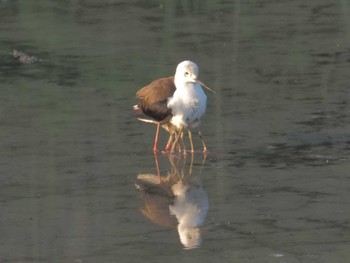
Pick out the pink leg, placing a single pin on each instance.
(156, 138)
(191, 141)
(176, 142)
(183, 142)
(168, 145)
(205, 150)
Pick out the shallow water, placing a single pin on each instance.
(277, 174)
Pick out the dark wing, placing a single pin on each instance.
(154, 98)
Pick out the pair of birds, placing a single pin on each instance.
(175, 103)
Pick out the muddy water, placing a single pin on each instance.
(275, 185)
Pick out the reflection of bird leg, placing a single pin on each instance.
(157, 166)
(171, 160)
(174, 166)
(204, 158)
(203, 163)
(191, 164)
(183, 168)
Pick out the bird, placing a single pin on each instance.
(176, 103)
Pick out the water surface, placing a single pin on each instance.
(276, 177)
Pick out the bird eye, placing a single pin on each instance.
(186, 73)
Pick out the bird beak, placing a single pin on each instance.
(205, 86)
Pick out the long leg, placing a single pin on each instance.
(183, 142)
(156, 138)
(168, 145)
(205, 150)
(176, 141)
(171, 145)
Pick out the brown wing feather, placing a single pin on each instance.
(154, 98)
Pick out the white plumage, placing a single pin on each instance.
(189, 101)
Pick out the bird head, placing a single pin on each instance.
(187, 72)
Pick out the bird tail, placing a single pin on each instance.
(147, 120)
(138, 113)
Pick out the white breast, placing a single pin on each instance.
(188, 104)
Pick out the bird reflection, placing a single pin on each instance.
(175, 200)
